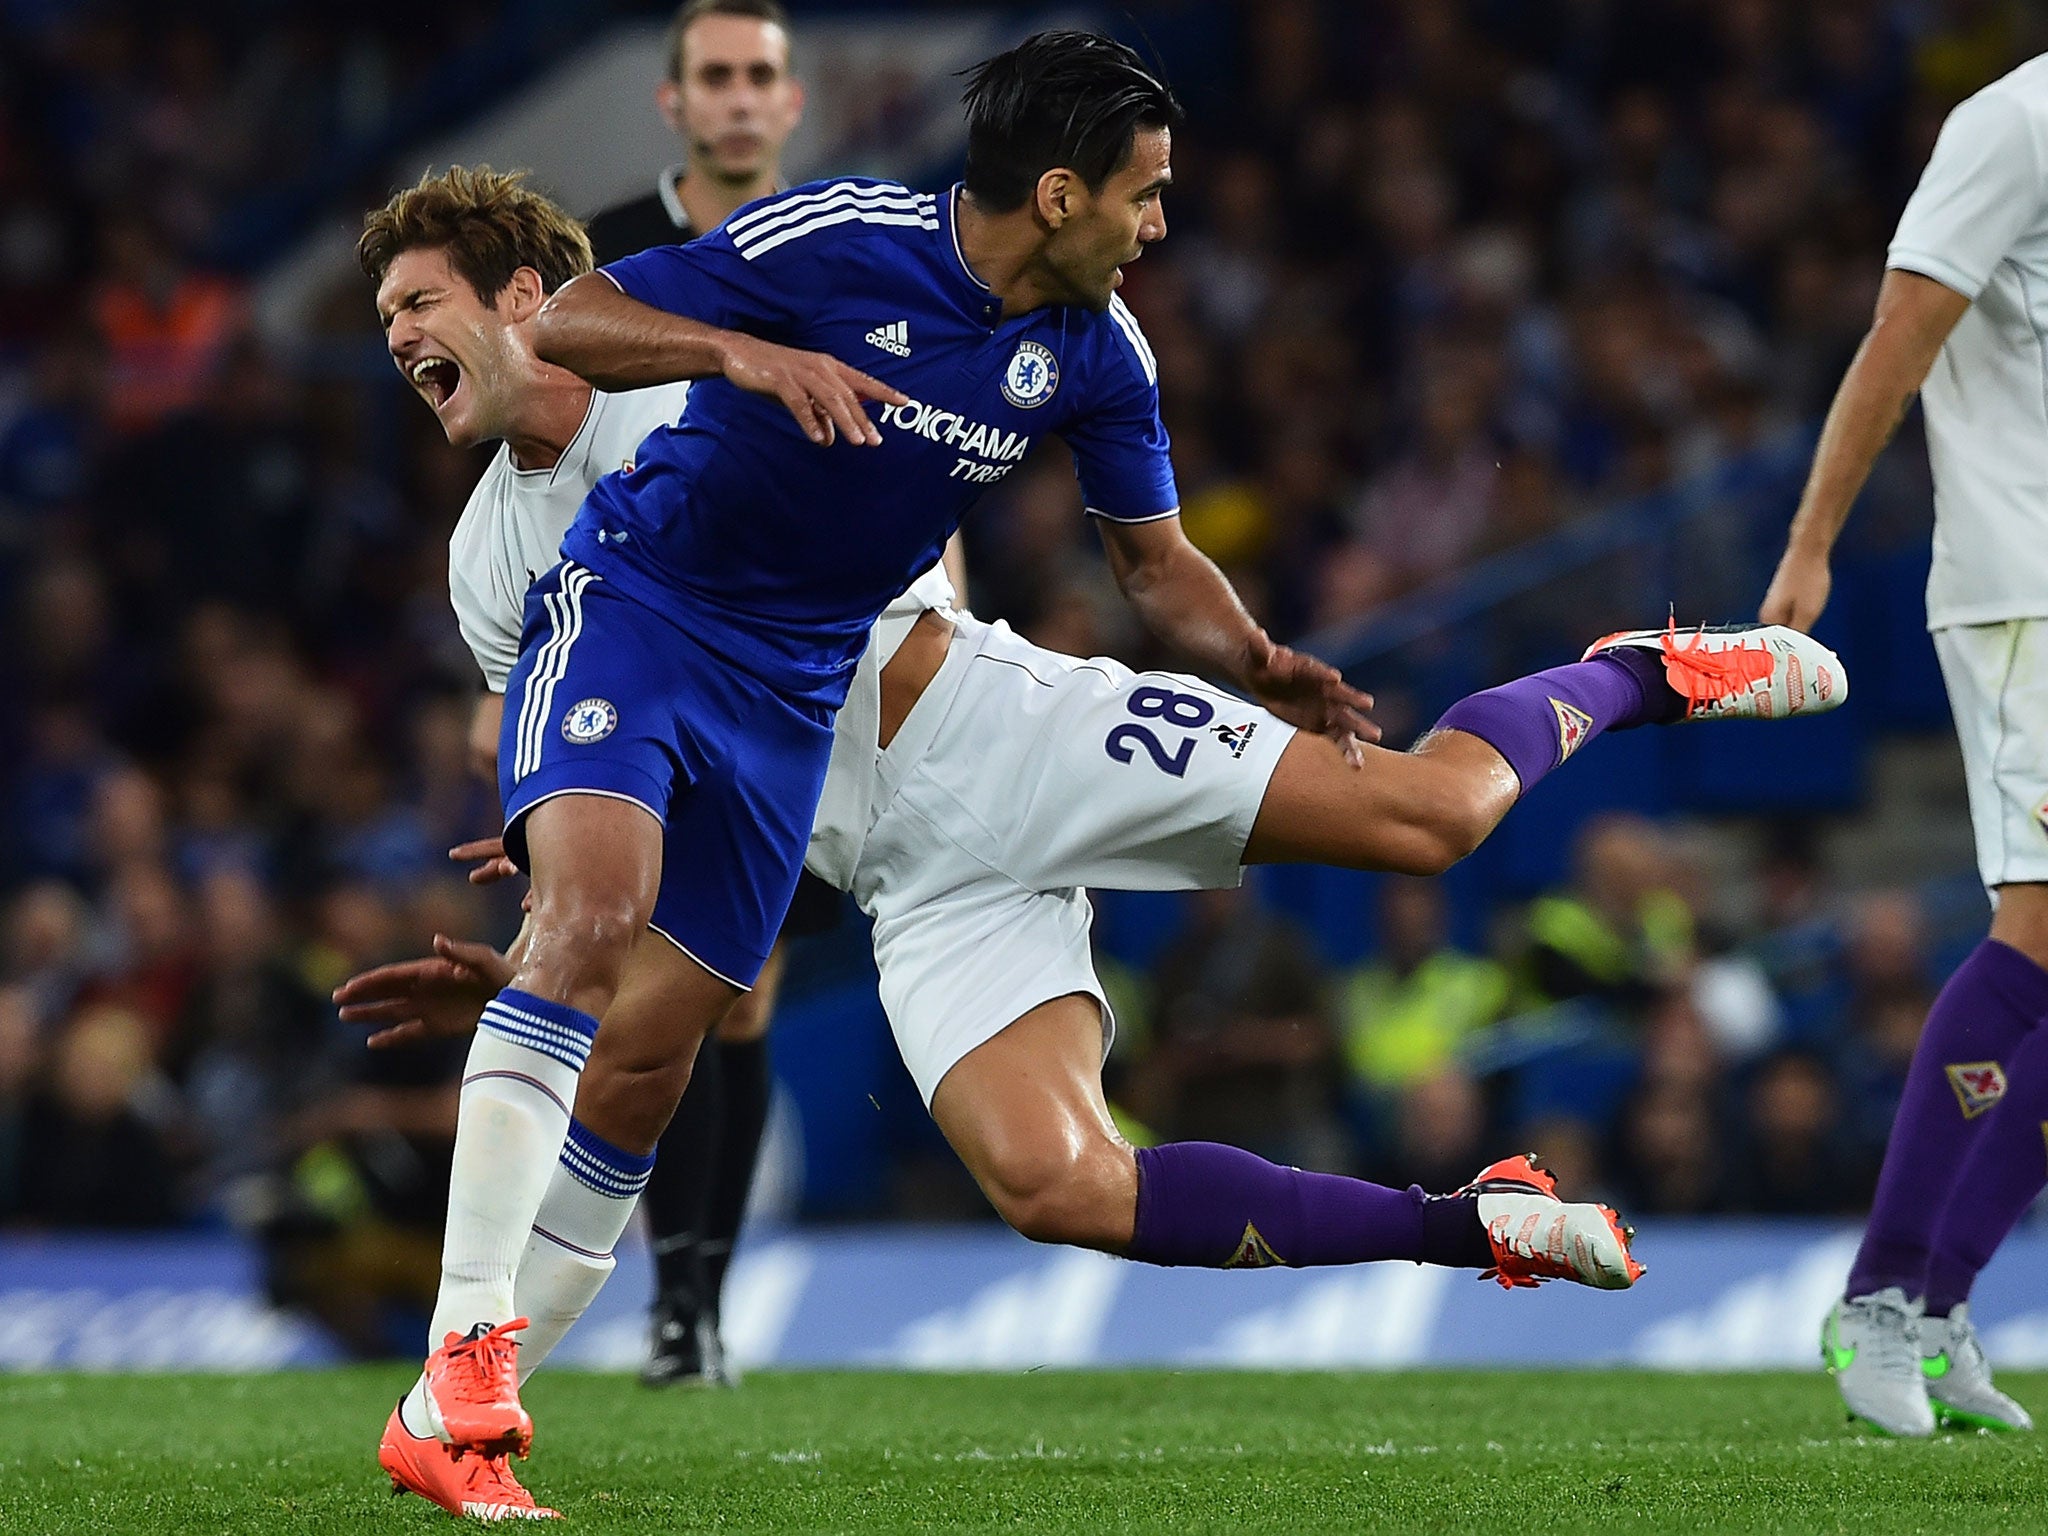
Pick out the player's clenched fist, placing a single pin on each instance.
(1309, 693)
(824, 395)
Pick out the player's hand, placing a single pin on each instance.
(1312, 694)
(425, 999)
(494, 865)
(1798, 592)
(826, 397)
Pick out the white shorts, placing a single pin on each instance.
(1021, 776)
(1997, 677)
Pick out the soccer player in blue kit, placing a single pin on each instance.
(668, 724)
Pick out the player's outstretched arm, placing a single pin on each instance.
(1913, 319)
(1186, 601)
(594, 330)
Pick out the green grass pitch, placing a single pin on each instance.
(1051, 1451)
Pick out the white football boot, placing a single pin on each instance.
(1959, 1377)
(1536, 1237)
(1741, 671)
(1871, 1345)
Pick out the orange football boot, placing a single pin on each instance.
(473, 1487)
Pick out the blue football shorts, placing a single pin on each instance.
(611, 698)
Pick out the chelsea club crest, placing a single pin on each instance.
(1033, 374)
(592, 720)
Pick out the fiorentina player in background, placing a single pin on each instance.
(730, 96)
(1961, 318)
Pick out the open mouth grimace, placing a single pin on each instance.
(436, 378)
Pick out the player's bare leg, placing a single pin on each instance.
(2021, 920)
(596, 862)
(641, 1062)
(1025, 1112)
(1412, 813)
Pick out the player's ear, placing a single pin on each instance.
(796, 102)
(668, 101)
(1055, 196)
(523, 296)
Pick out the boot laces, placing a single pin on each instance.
(487, 1364)
(1705, 675)
(1891, 1341)
(493, 1483)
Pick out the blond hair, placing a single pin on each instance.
(490, 224)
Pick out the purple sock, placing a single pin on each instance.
(1536, 722)
(1991, 1002)
(2004, 1171)
(1223, 1208)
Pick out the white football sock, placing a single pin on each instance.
(516, 1090)
(569, 1256)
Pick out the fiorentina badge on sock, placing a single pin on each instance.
(1573, 726)
(1978, 1085)
(1253, 1252)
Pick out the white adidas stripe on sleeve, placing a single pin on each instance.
(1128, 324)
(915, 219)
(801, 210)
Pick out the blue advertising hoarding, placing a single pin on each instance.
(1719, 1296)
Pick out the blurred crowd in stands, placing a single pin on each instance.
(1442, 278)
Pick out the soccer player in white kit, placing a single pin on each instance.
(1962, 318)
(976, 782)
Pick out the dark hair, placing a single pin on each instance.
(1071, 99)
(690, 12)
(487, 221)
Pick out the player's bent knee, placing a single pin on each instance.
(747, 1019)
(579, 944)
(1066, 1194)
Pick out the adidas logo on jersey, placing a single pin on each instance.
(893, 337)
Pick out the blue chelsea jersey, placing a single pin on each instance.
(779, 554)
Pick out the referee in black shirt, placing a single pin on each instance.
(731, 99)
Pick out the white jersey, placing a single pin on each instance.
(511, 531)
(1978, 224)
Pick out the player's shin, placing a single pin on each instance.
(516, 1091)
(1201, 1203)
(2000, 1177)
(568, 1256)
(557, 1285)
(1991, 1002)
(1536, 722)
